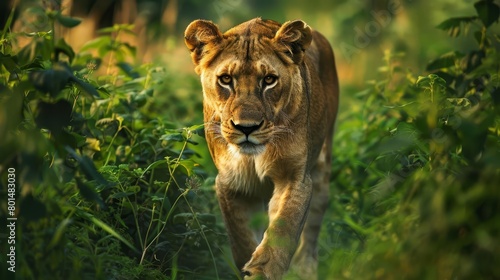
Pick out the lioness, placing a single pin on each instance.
(270, 101)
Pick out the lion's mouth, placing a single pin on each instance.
(249, 148)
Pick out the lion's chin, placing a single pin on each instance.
(247, 148)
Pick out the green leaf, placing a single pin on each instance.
(90, 171)
(89, 194)
(444, 61)
(132, 50)
(188, 165)
(127, 28)
(133, 189)
(172, 137)
(107, 30)
(182, 218)
(63, 47)
(68, 21)
(98, 43)
(406, 137)
(9, 62)
(111, 231)
(154, 165)
(52, 80)
(437, 80)
(108, 126)
(422, 80)
(460, 102)
(128, 69)
(487, 11)
(472, 60)
(139, 99)
(88, 168)
(473, 135)
(430, 80)
(198, 129)
(148, 92)
(85, 87)
(36, 64)
(59, 234)
(454, 25)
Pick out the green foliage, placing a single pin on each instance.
(106, 187)
(417, 169)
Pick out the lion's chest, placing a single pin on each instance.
(247, 174)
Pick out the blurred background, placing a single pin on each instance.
(360, 31)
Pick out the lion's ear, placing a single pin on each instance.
(295, 36)
(199, 36)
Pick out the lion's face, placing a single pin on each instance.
(248, 96)
(248, 78)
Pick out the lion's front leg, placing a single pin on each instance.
(236, 209)
(287, 214)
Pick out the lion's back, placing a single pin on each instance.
(324, 81)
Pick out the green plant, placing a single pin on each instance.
(106, 187)
(417, 193)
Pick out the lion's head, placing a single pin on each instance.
(251, 77)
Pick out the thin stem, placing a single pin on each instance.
(147, 233)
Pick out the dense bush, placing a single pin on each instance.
(417, 168)
(109, 186)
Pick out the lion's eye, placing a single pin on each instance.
(269, 80)
(225, 79)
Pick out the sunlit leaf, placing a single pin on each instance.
(131, 49)
(93, 144)
(188, 165)
(97, 43)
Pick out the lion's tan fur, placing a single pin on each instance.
(271, 143)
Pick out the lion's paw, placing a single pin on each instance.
(266, 263)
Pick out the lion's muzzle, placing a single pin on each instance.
(247, 128)
(246, 136)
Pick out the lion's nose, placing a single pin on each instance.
(247, 129)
